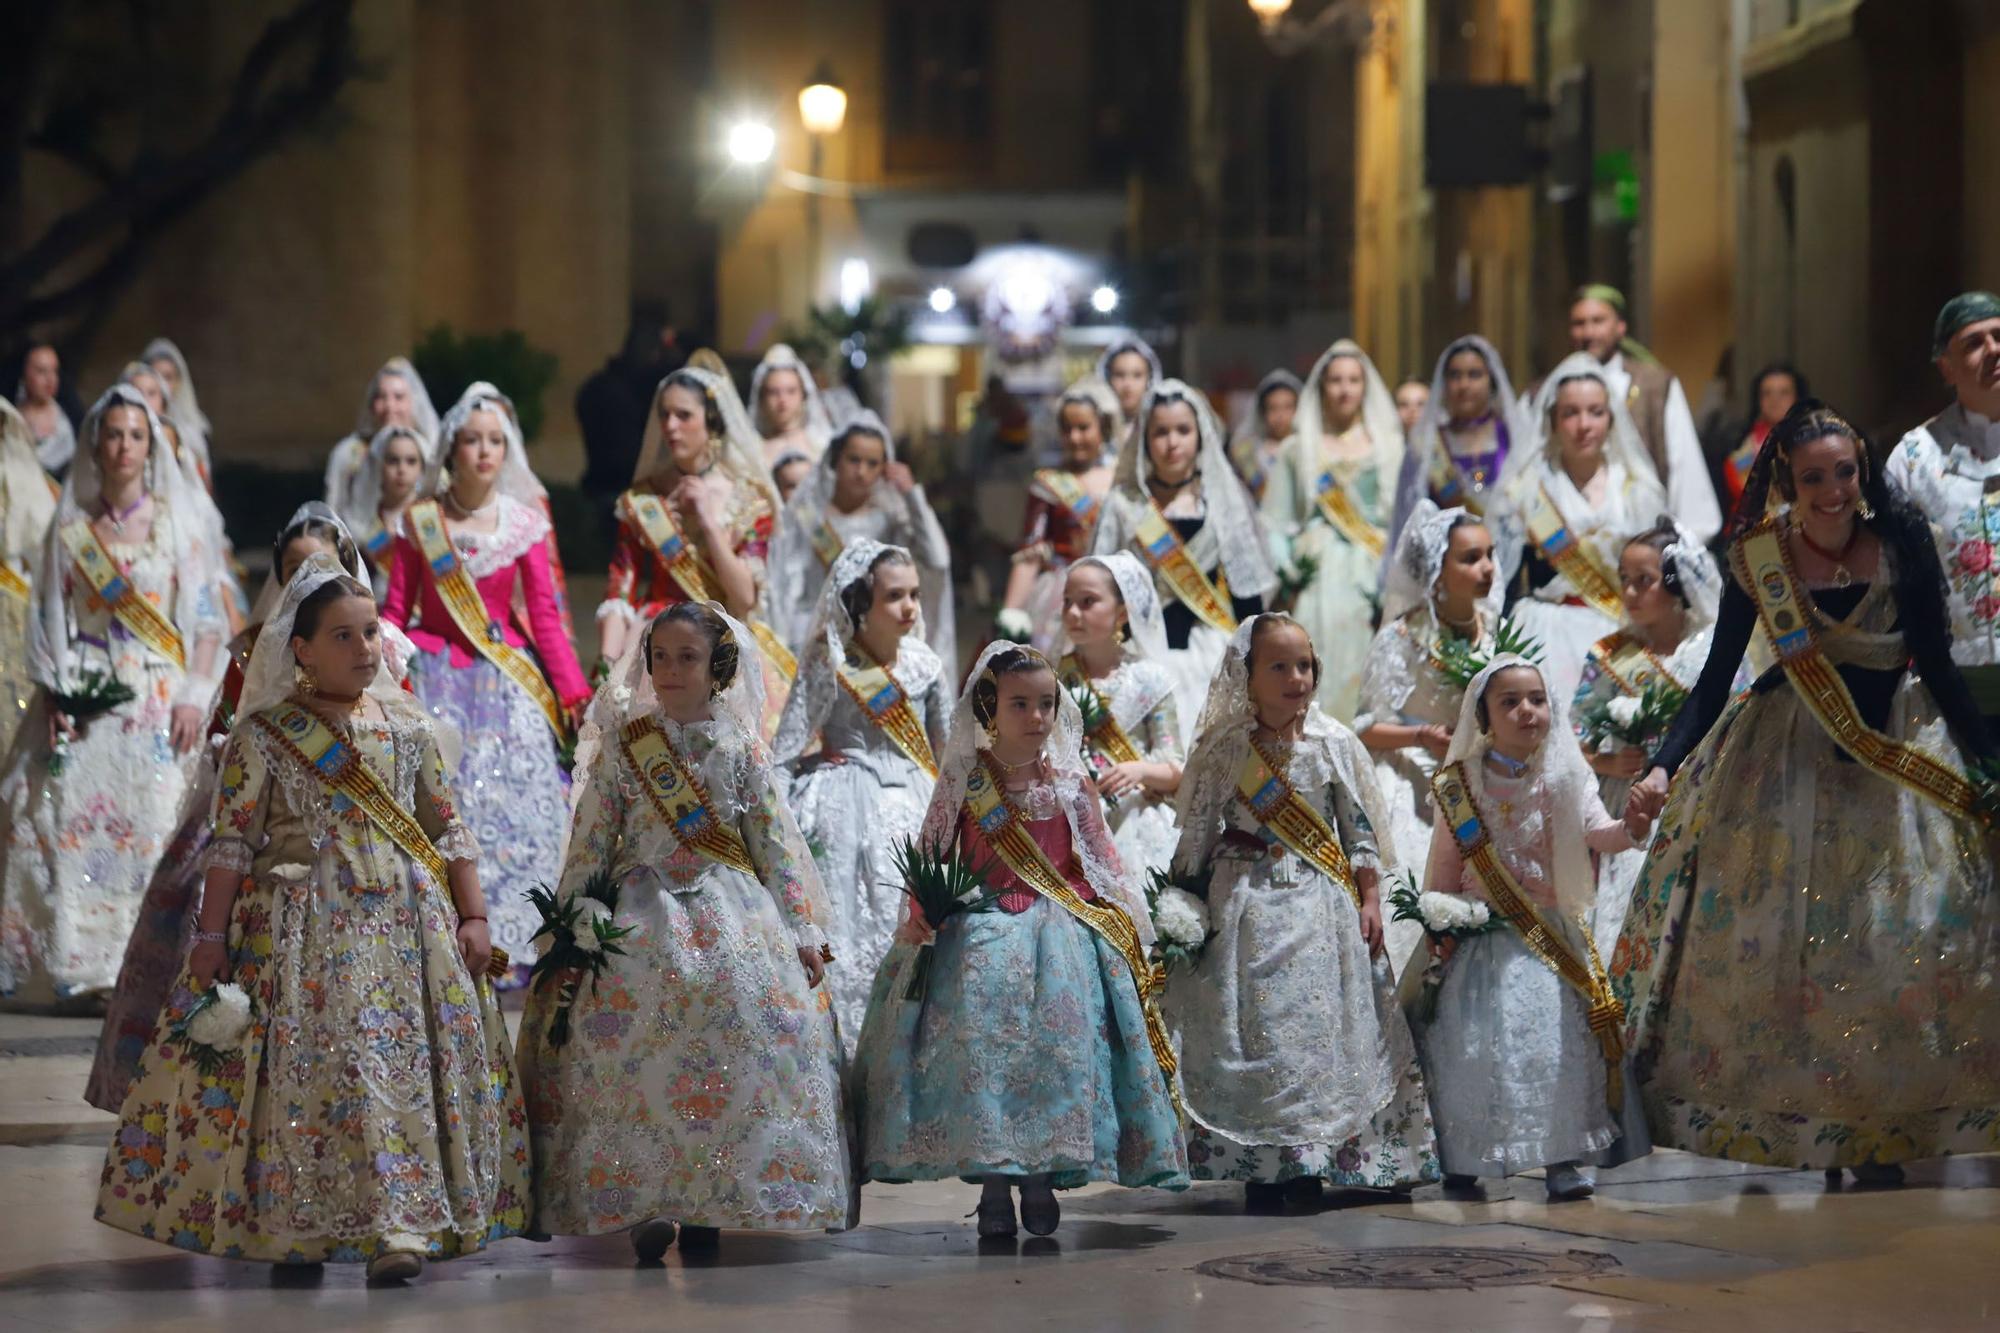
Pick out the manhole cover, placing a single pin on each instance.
(1413, 1268)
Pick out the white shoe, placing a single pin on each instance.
(1566, 1181)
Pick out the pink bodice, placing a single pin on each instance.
(1051, 834)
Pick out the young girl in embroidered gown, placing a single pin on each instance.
(1178, 505)
(389, 480)
(786, 407)
(1034, 1056)
(1254, 451)
(1518, 1078)
(474, 589)
(1329, 502)
(701, 1081)
(1115, 645)
(395, 397)
(1296, 1063)
(1129, 368)
(1441, 591)
(27, 508)
(860, 735)
(370, 1111)
(1464, 436)
(1064, 504)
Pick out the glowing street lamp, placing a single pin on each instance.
(751, 142)
(822, 103)
(1104, 300)
(1270, 13)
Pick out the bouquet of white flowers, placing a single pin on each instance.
(1444, 916)
(1180, 920)
(1632, 720)
(213, 1027)
(582, 936)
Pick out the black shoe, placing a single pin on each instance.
(650, 1239)
(996, 1219)
(1262, 1197)
(1454, 1183)
(1040, 1213)
(1877, 1175)
(700, 1238)
(1302, 1191)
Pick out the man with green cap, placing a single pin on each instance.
(1655, 400)
(1950, 469)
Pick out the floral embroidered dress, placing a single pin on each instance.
(373, 1103)
(1947, 467)
(27, 507)
(1140, 695)
(513, 792)
(701, 1082)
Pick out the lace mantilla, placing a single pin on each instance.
(521, 527)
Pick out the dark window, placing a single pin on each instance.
(938, 85)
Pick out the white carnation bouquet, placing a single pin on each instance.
(1180, 920)
(1631, 720)
(1444, 916)
(213, 1027)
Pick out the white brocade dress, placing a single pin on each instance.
(1141, 698)
(701, 1080)
(1295, 1057)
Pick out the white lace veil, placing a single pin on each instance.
(1378, 417)
(28, 504)
(1131, 342)
(1559, 762)
(192, 455)
(517, 478)
(1148, 638)
(362, 505)
(1622, 447)
(183, 408)
(1412, 576)
(423, 415)
(312, 510)
(1331, 751)
(269, 677)
(741, 451)
(191, 533)
(818, 424)
(1232, 518)
(1093, 393)
(1696, 571)
(1427, 438)
(1089, 838)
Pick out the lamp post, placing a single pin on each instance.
(822, 110)
(1342, 20)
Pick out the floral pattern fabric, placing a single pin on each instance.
(1945, 466)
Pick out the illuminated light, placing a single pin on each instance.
(1270, 12)
(751, 142)
(823, 103)
(855, 282)
(1104, 300)
(942, 300)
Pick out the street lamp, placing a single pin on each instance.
(943, 300)
(1270, 13)
(822, 110)
(1350, 21)
(751, 142)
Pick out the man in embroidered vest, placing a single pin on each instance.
(1950, 469)
(1654, 398)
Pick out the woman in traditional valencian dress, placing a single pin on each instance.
(35, 394)
(1570, 498)
(1464, 437)
(395, 397)
(1254, 451)
(1178, 505)
(390, 479)
(1518, 1076)
(1806, 960)
(873, 698)
(183, 408)
(700, 1080)
(1296, 1063)
(27, 507)
(1329, 501)
(369, 1111)
(1671, 589)
(1441, 594)
(1032, 1056)
(1063, 508)
(858, 490)
(1130, 368)
(786, 408)
(127, 592)
(466, 561)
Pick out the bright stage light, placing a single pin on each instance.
(752, 142)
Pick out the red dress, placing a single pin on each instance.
(639, 578)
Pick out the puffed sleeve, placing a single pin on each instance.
(937, 713)
(779, 853)
(242, 802)
(436, 809)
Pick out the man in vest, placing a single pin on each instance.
(1950, 469)
(1654, 399)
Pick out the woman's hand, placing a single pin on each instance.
(61, 728)
(1637, 826)
(475, 945)
(1649, 797)
(900, 476)
(1122, 778)
(1371, 925)
(1435, 737)
(1443, 946)
(185, 728)
(815, 967)
(208, 963)
(690, 499)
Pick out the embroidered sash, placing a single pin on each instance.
(882, 697)
(1069, 492)
(1544, 940)
(1337, 504)
(1549, 530)
(827, 544)
(678, 796)
(133, 611)
(1107, 735)
(1162, 548)
(468, 610)
(12, 584)
(308, 740)
(1265, 789)
(1007, 833)
(1632, 666)
(1765, 563)
(378, 546)
(774, 649)
(655, 522)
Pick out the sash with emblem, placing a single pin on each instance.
(301, 734)
(1764, 565)
(468, 610)
(379, 547)
(1265, 789)
(1107, 736)
(678, 796)
(12, 584)
(1549, 530)
(1337, 504)
(1543, 939)
(882, 697)
(1007, 834)
(1161, 546)
(133, 611)
(827, 544)
(649, 513)
(1068, 491)
(1632, 666)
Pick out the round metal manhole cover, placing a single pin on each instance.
(1411, 1268)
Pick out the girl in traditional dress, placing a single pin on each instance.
(370, 1111)
(466, 561)
(1671, 589)
(1570, 498)
(786, 408)
(1130, 367)
(1178, 505)
(1523, 1054)
(395, 397)
(1255, 450)
(859, 490)
(190, 453)
(1777, 387)
(1063, 508)
(390, 479)
(1329, 502)
(1296, 1063)
(27, 507)
(1807, 957)
(1464, 437)
(35, 393)
(701, 1082)
(1114, 650)
(874, 698)
(183, 409)
(128, 592)
(1033, 1056)
(1441, 592)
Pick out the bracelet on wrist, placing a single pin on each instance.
(463, 919)
(208, 937)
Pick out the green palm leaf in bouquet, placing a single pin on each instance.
(94, 694)
(582, 937)
(1295, 578)
(942, 885)
(1459, 660)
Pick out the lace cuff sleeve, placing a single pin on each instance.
(231, 854)
(456, 843)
